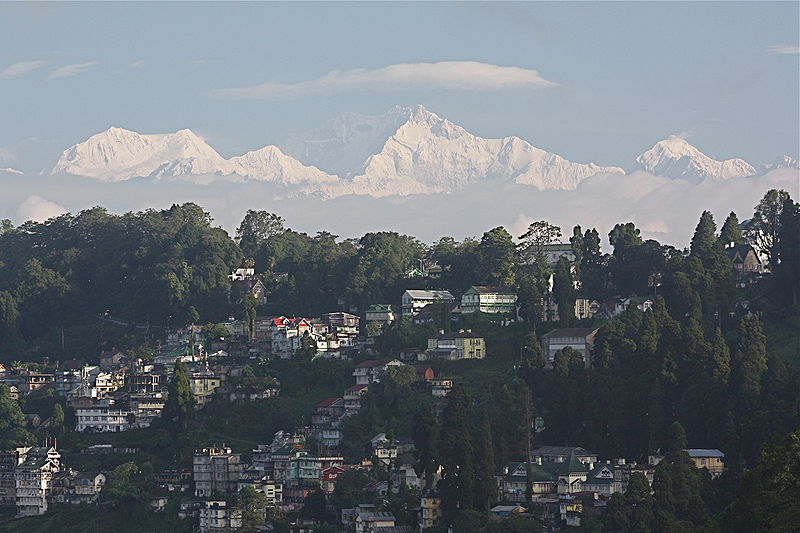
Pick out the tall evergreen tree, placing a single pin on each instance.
(456, 452)
(425, 440)
(485, 483)
(731, 231)
(180, 400)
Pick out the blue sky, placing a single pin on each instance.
(621, 75)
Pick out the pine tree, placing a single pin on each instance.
(485, 483)
(750, 359)
(425, 433)
(180, 401)
(456, 452)
(731, 231)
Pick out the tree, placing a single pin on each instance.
(12, 434)
(564, 292)
(253, 505)
(57, 420)
(787, 251)
(255, 229)
(425, 435)
(762, 230)
(539, 234)
(497, 253)
(676, 438)
(731, 231)
(180, 400)
(749, 359)
(767, 499)
(485, 483)
(456, 454)
(631, 511)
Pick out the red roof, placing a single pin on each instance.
(357, 387)
(328, 402)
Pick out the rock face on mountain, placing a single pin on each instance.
(675, 158)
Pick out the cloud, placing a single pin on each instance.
(37, 208)
(784, 49)
(139, 63)
(17, 70)
(459, 75)
(72, 70)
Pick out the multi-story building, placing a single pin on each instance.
(33, 479)
(455, 346)
(383, 314)
(414, 300)
(203, 384)
(216, 470)
(579, 339)
(489, 300)
(9, 460)
(430, 511)
(218, 517)
(101, 415)
(711, 460)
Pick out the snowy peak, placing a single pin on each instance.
(428, 153)
(118, 154)
(674, 157)
(783, 162)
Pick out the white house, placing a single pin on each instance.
(489, 300)
(414, 300)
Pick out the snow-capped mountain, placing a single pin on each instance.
(430, 154)
(782, 162)
(118, 154)
(675, 158)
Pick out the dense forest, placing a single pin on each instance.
(711, 365)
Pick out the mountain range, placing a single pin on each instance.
(405, 151)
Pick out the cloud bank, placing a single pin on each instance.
(664, 209)
(458, 75)
(784, 49)
(67, 71)
(37, 208)
(17, 70)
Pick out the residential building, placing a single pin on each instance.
(371, 371)
(33, 479)
(747, 266)
(489, 300)
(243, 288)
(9, 460)
(414, 300)
(711, 460)
(216, 470)
(383, 314)
(203, 383)
(555, 251)
(561, 454)
(579, 339)
(430, 511)
(352, 398)
(218, 517)
(586, 308)
(87, 486)
(455, 346)
(101, 415)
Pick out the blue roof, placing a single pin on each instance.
(700, 452)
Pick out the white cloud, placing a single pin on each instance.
(784, 49)
(461, 75)
(139, 63)
(37, 208)
(72, 70)
(17, 70)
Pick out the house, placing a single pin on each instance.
(555, 251)
(489, 300)
(365, 518)
(9, 460)
(370, 371)
(579, 339)
(430, 511)
(437, 313)
(241, 274)
(203, 384)
(218, 517)
(34, 381)
(571, 474)
(243, 288)
(287, 333)
(112, 359)
(413, 300)
(499, 512)
(33, 479)
(440, 387)
(711, 460)
(383, 314)
(586, 308)
(513, 483)
(352, 398)
(455, 346)
(330, 476)
(561, 454)
(747, 266)
(87, 486)
(215, 470)
(101, 415)
(383, 449)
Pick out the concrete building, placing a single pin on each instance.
(454, 346)
(216, 470)
(33, 480)
(579, 339)
(414, 300)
